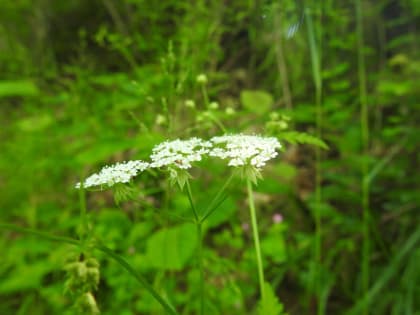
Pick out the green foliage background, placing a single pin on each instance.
(89, 83)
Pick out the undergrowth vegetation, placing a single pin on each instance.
(309, 205)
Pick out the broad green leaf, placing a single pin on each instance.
(285, 170)
(171, 248)
(259, 102)
(111, 226)
(25, 277)
(35, 123)
(222, 213)
(274, 246)
(103, 150)
(18, 88)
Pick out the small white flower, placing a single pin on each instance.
(245, 150)
(179, 153)
(117, 173)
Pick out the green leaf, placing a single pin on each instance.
(35, 123)
(33, 273)
(259, 102)
(302, 137)
(103, 149)
(270, 305)
(222, 214)
(18, 88)
(274, 247)
(171, 248)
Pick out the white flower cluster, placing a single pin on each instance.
(240, 150)
(117, 173)
(243, 150)
(179, 153)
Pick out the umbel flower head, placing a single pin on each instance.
(248, 152)
(117, 173)
(179, 153)
(177, 156)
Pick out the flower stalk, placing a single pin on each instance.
(198, 223)
(256, 238)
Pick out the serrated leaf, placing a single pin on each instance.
(270, 305)
(302, 138)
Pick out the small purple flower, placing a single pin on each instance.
(277, 218)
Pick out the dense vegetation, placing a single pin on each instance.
(85, 84)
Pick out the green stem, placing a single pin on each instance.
(198, 223)
(364, 129)
(47, 236)
(205, 95)
(216, 200)
(200, 263)
(256, 239)
(190, 199)
(217, 122)
(169, 309)
(388, 273)
(317, 78)
(83, 213)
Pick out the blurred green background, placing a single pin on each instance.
(88, 83)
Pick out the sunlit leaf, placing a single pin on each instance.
(171, 248)
(18, 88)
(259, 102)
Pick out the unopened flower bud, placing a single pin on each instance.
(274, 116)
(229, 111)
(283, 125)
(190, 103)
(160, 120)
(214, 105)
(201, 78)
